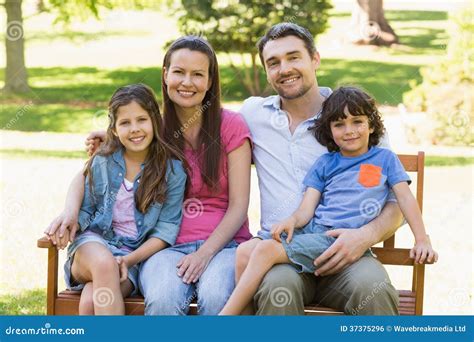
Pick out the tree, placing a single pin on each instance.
(16, 79)
(234, 26)
(369, 25)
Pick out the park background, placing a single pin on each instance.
(423, 84)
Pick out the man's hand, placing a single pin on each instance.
(93, 141)
(349, 246)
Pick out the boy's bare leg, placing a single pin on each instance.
(265, 255)
(241, 261)
(86, 303)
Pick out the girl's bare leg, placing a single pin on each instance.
(93, 262)
(265, 255)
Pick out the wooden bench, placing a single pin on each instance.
(411, 301)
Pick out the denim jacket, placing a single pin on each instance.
(162, 220)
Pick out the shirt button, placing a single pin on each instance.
(139, 223)
(138, 181)
(120, 174)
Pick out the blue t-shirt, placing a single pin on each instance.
(354, 189)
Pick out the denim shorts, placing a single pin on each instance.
(307, 244)
(93, 237)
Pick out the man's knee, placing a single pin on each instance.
(281, 292)
(372, 292)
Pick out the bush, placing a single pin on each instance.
(446, 90)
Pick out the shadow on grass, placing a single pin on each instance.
(30, 302)
(426, 38)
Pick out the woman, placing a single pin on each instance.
(216, 144)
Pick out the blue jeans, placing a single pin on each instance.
(166, 294)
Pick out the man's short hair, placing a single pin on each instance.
(284, 30)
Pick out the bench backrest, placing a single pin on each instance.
(389, 255)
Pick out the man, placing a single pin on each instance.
(284, 150)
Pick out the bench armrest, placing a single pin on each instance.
(44, 243)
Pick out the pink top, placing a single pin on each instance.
(123, 218)
(203, 211)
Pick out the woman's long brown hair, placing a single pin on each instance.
(152, 186)
(209, 145)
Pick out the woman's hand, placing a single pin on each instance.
(93, 141)
(287, 226)
(66, 221)
(192, 266)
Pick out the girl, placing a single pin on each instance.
(132, 204)
(216, 145)
(345, 186)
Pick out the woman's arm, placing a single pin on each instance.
(192, 266)
(68, 219)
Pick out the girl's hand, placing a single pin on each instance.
(192, 266)
(287, 226)
(423, 251)
(123, 268)
(67, 220)
(93, 141)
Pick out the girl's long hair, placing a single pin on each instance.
(152, 187)
(209, 145)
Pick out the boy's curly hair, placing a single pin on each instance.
(358, 103)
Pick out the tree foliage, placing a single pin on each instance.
(234, 26)
(446, 92)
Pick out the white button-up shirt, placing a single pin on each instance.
(282, 159)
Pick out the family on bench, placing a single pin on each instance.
(160, 208)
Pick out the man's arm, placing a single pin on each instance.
(351, 244)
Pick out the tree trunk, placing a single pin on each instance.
(16, 78)
(369, 25)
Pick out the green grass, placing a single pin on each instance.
(31, 302)
(448, 161)
(74, 99)
(67, 99)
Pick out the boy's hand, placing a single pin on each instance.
(123, 268)
(287, 226)
(93, 141)
(423, 251)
